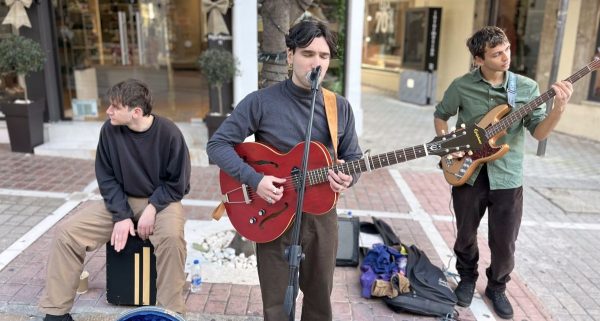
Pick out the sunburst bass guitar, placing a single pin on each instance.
(262, 222)
(493, 126)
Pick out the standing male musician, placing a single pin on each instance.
(496, 185)
(143, 172)
(278, 116)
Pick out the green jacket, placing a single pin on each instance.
(472, 97)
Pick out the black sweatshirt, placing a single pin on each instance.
(153, 164)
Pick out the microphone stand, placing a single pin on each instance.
(293, 252)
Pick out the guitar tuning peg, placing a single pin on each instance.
(452, 129)
(463, 126)
(470, 153)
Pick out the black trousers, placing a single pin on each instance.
(319, 239)
(505, 210)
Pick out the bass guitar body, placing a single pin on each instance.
(260, 221)
(458, 170)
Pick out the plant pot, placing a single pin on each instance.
(226, 95)
(25, 123)
(213, 121)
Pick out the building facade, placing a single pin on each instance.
(531, 26)
(388, 44)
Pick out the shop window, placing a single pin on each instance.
(594, 93)
(384, 21)
(5, 31)
(522, 21)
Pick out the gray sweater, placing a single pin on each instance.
(278, 116)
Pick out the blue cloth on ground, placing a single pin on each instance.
(381, 262)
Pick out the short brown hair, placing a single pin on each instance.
(131, 93)
(487, 36)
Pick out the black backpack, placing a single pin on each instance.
(430, 294)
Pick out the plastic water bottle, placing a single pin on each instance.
(403, 261)
(196, 277)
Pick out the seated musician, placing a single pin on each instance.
(278, 116)
(143, 171)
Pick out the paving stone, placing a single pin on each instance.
(544, 255)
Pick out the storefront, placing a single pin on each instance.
(101, 42)
(397, 34)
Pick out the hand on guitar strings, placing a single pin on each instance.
(339, 181)
(268, 188)
(563, 91)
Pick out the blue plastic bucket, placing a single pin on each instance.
(149, 314)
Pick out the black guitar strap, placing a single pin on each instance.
(512, 89)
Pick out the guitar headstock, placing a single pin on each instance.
(462, 140)
(595, 63)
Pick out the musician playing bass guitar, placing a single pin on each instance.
(278, 117)
(496, 185)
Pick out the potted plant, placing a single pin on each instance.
(219, 67)
(20, 56)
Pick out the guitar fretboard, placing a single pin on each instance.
(518, 114)
(318, 176)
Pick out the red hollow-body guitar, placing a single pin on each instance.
(262, 222)
(495, 123)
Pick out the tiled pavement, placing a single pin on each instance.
(556, 262)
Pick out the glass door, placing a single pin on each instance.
(103, 42)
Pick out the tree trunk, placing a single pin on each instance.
(220, 97)
(277, 17)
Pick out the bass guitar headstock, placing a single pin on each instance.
(464, 139)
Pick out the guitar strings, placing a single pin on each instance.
(317, 176)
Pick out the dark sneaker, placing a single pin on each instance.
(64, 317)
(502, 306)
(464, 292)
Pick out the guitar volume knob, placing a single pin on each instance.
(261, 212)
(252, 220)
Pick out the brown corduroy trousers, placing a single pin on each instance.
(319, 239)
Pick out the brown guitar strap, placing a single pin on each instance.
(332, 117)
(332, 121)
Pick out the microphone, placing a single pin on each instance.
(315, 73)
(314, 76)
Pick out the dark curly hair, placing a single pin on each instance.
(131, 93)
(305, 31)
(487, 36)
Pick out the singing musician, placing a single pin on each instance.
(278, 116)
(496, 185)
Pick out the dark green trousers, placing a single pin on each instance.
(319, 239)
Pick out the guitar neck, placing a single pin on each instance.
(520, 113)
(367, 164)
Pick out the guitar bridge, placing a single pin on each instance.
(246, 200)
